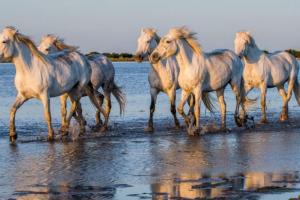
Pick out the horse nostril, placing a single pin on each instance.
(154, 57)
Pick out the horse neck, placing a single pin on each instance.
(160, 66)
(23, 59)
(253, 54)
(186, 56)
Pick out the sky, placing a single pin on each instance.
(114, 25)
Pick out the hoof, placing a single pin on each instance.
(193, 131)
(103, 129)
(13, 138)
(82, 131)
(50, 138)
(263, 121)
(187, 121)
(64, 128)
(283, 117)
(225, 130)
(239, 121)
(63, 132)
(97, 127)
(177, 127)
(149, 129)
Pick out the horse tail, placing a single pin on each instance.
(296, 89)
(120, 96)
(208, 101)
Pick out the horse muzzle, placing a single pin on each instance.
(154, 58)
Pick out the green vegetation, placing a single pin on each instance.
(119, 57)
(294, 53)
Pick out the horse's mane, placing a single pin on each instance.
(28, 42)
(152, 33)
(246, 36)
(92, 54)
(60, 44)
(185, 34)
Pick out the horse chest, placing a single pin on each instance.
(186, 82)
(162, 80)
(253, 75)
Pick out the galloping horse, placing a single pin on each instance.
(102, 75)
(201, 72)
(163, 75)
(42, 77)
(267, 70)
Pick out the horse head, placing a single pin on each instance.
(147, 42)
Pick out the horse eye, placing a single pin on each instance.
(148, 41)
(3, 42)
(168, 41)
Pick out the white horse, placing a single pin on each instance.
(42, 77)
(201, 72)
(103, 74)
(163, 75)
(267, 70)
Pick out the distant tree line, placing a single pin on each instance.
(291, 51)
(119, 56)
(294, 52)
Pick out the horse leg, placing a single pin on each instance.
(12, 129)
(46, 103)
(98, 116)
(191, 102)
(247, 88)
(222, 103)
(153, 92)
(184, 97)
(94, 98)
(284, 112)
(74, 107)
(172, 97)
(107, 110)
(236, 89)
(63, 111)
(197, 111)
(80, 119)
(263, 91)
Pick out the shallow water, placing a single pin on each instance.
(127, 163)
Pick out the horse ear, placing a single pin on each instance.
(153, 30)
(143, 30)
(10, 32)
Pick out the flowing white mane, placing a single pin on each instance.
(20, 38)
(245, 35)
(152, 33)
(185, 34)
(59, 43)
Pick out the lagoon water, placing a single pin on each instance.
(127, 163)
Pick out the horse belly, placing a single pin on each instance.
(97, 77)
(278, 76)
(218, 78)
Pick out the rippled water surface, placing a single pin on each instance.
(128, 163)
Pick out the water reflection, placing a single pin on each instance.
(193, 186)
(151, 167)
